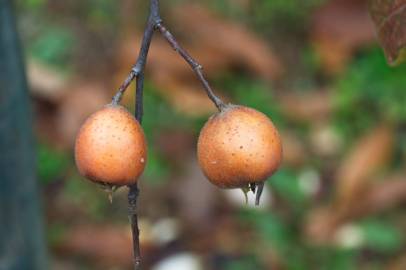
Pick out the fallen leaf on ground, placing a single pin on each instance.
(397, 263)
(369, 155)
(320, 225)
(81, 100)
(306, 106)
(45, 82)
(294, 151)
(340, 28)
(106, 245)
(230, 39)
(385, 194)
(389, 17)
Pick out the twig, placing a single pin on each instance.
(137, 72)
(132, 208)
(155, 22)
(198, 69)
(139, 66)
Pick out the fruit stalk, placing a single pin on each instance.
(197, 68)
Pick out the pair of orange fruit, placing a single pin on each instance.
(237, 147)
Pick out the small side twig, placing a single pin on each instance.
(120, 92)
(139, 66)
(198, 69)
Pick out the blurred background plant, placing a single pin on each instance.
(313, 66)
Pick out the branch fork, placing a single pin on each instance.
(137, 73)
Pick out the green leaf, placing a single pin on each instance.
(368, 92)
(51, 163)
(53, 46)
(382, 236)
(157, 169)
(254, 94)
(286, 184)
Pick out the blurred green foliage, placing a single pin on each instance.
(284, 14)
(32, 4)
(52, 163)
(284, 238)
(252, 93)
(159, 116)
(370, 91)
(244, 263)
(270, 15)
(83, 194)
(381, 235)
(101, 14)
(285, 182)
(53, 46)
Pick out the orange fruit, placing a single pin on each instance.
(239, 146)
(110, 147)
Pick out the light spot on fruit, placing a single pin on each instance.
(142, 160)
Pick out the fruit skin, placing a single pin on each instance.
(110, 147)
(239, 146)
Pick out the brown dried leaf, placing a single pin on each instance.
(397, 263)
(229, 40)
(384, 195)
(368, 156)
(309, 106)
(82, 99)
(322, 223)
(389, 17)
(294, 151)
(340, 27)
(187, 98)
(105, 244)
(45, 82)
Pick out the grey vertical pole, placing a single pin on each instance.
(21, 232)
